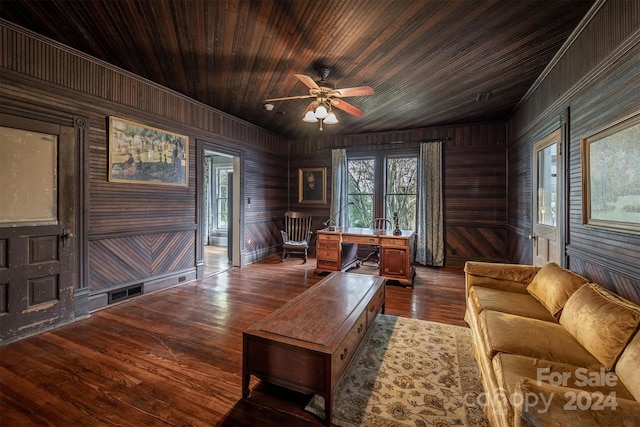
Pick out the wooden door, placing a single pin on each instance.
(37, 226)
(547, 200)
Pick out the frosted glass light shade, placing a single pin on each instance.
(310, 117)
(331, 119)
(321, 112)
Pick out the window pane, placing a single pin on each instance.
(361, 181)
(28, 177)
(401, 194)
(547, 176)
(222, 195)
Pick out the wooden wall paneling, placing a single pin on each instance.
(475, 182)
(598, 79)
(136, 232)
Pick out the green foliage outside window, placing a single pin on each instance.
(399, 196)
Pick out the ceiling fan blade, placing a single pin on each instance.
(287, 98)
(307, 81)
(345, 106)
(354, 91)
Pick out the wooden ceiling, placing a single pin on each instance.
(427, 60)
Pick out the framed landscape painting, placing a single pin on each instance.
(611, 177)
(144, 154)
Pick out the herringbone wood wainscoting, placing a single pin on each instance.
(174, 357)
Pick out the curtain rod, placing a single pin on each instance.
(392, 142)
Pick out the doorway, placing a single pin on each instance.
(38, 244)
(220, 212)
(547, 200)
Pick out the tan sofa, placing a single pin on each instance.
(553, 349)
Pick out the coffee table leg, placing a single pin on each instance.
(328, 408)
(245, 384)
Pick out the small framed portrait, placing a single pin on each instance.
(312, 185)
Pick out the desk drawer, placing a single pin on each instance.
(363, 240)
(327, 245)
(326, 236)
(324, 264)
(327, 254)
(393, 241)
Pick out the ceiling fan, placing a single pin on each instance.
(326, 97)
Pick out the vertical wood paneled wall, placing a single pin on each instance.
(597, 81)
(138, 233)
(474, 182)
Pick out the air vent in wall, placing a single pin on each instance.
(122, 294)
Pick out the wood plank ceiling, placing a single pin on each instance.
(427, 60)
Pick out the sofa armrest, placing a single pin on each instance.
(545, 404)
(508, 277)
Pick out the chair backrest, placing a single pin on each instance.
(380, 224)
(297, 225)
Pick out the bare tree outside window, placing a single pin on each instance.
(401, 191)
(361, 191)
(398, 194)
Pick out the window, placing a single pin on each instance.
(401, 191)
(396, 182)
(222, 196)
(361, 189)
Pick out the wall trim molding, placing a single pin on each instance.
(603, 260)
(582, 25)
(594, 74)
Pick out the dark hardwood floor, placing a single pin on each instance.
(174, 357)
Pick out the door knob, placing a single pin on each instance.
(66, 237)
(533, 237)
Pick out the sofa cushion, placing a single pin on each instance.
(601, 321)
(553, 285)
(512, 272)
(481, 298)
(512, 368)
(508, 333)
(628, 368)
(548, 405)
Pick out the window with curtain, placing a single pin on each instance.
(379, 187)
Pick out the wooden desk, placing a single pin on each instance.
(336, 250)
(308, 343)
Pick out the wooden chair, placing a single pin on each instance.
(296, 234)
(378, 224)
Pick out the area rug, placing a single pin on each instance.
(409, 373)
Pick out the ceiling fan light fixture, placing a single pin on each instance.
(331, 119)
(321, 112)
(309, 117)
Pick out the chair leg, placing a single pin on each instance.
(305, 256)
(284, 255)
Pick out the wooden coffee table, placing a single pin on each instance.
(308, 343)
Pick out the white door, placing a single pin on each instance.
(547, 200)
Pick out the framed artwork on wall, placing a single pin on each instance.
(144, 154)
(611, 176)
(312, 185)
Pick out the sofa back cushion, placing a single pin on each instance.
(628, 369)
(553, 285)
(601, 321)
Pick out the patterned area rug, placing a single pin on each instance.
(409, 373)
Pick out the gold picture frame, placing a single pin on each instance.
(144, 154)
(611, 177)
(312, 185)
